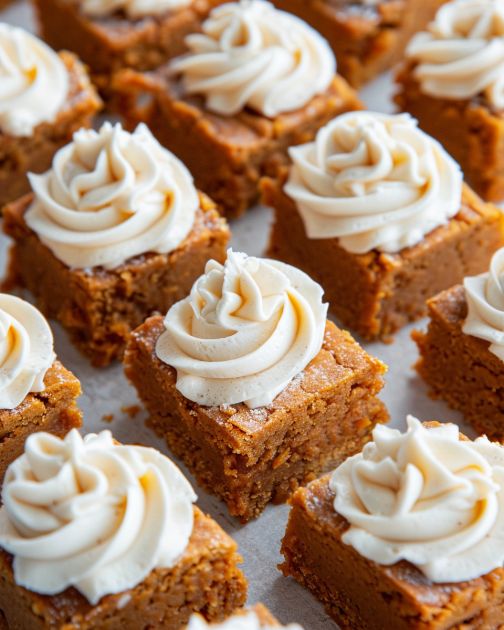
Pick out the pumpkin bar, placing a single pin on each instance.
(472, 131)
(363, 595)
(459, 368)
(249, 457)
(320, 547)
(377, 293)
(22, 154)
(37, 393)
(112, 41)
(152, 559)
(227, 155)
(53, 410)
(450, 80)
(206, 579)
(99, 307)
(367, 37)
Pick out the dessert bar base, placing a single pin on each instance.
(460, 368)
(54, 410)
(250, 457)
(97, 307)
(362, 595)
(376, 294)
(471, 131)
(205, 580)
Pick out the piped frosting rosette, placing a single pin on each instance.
(251, 54)
(92, 514)
(34, 82)
(245, 331)
(26, 350)
(427, 497)
(110, 196)
(374, 181)
(461, 54)
(485, 302)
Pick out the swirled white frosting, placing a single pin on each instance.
(112, 195)
(461, 54)
(485, 304)
(251, 54)
(426, 497)
(92, 514)
(245, 331)
(132, 8)
(34, 82)
(374, 181)
(247, 621)
(26, 350)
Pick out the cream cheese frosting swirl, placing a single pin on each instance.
(485, 303)
(132, 8)
(112, 195)
(461, 54)
(251, 54)
(92, 514)
(245, 331)
(427, 497)
(26, 350)
(34, 82)
(374, 181)
(247, 621)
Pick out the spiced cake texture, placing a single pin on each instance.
(227, 155)
(458, 367)
(367, 37)
(53, 410)
(250, 457)
(100, 307)
(472, 131)
(376, 293)
(111, 42)
(360, 594)
(22, 154)
(206, 580)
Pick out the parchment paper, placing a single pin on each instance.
(106, 391)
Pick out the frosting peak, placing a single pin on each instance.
(132, 8)
(462, 53)
(26, 350)
(374, 181)
(33, 82)
(427, 497)
(485, 301)
(92, 514)
(251, 54)
(245, 331)
(112, 195)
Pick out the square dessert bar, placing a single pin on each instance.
(363, 595)
(458, 367)
(206, 580)
(226, 155)
(111, 42)
(376, 293)
(472, 131)
(100, 307)
(53, 410)
(367, 37)
(20, 155)
(248, 457)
